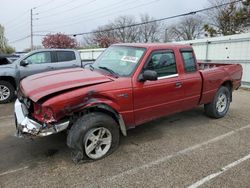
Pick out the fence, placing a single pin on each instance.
(90, 54)
(226, 49)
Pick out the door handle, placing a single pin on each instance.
(178, 84)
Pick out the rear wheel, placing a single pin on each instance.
(218, 108)
(7, 92)
(92, 137)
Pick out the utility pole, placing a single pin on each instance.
(31, 29)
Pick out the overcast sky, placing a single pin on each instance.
(76, 16)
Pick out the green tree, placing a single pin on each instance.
(228, 20)
(4, 47)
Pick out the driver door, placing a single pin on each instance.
(154, 99)
(37, 62)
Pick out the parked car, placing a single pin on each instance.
(7, 59)
(34, 62)
(128, 85)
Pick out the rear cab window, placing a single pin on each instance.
(189, 61)
(63, 56)
(163, 62)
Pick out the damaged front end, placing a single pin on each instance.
(28, 127)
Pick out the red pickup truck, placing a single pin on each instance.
(128, 85)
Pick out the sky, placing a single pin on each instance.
(77, 16)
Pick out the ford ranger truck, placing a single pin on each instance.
(128, 85)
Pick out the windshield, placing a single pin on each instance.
(122, 60)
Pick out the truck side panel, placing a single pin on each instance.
(214, 77)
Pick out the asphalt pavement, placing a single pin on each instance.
(184, 150)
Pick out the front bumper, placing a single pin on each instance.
(28, 127)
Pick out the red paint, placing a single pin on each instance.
(144, 101)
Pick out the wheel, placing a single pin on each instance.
(219, 106)
(7, 92)
(93, 137)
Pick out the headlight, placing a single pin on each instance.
(43, 114)
(37, 109)
(48, 114)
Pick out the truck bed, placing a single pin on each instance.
(214, 74)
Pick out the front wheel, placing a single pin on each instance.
(218, 108)
(93, 136)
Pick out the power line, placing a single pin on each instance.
(90, 13)
(70, 9)
(161, 19)
(44, 4)
(124, 10)
(114, 5)
(17, 27)
(20, 39)
(143, 23)
(56, 7)
(13, 20)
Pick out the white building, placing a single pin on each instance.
(225, 49)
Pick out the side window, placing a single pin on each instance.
(65, 56)
(189, 61)
(39, 58)
(163, 63)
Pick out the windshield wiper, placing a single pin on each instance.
(90, 65)
(109, 70)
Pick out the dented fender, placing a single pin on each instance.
(100, 105)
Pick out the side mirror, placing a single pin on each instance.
(148, 75)
(24, 63)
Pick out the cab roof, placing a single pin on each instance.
(155, 45)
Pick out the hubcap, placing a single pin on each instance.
(4, 93)
(98, 142)
(221, 103)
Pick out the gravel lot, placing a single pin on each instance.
(186, 149)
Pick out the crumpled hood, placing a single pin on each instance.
(40, 85)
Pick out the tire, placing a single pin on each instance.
(7, 92)
(218, 108)
(93, 137)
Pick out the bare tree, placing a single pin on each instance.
(124, 33)
(103, 37)
(149, 32)
(125, 29)
(188, 28)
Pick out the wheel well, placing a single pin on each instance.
(229, 85)
(9, 79)
(106, 110)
